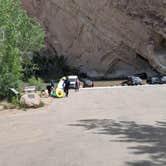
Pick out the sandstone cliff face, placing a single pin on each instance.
(109, 38)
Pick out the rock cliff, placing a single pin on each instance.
(106, 38)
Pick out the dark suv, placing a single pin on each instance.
(157, 80)
(87, 83)
(133, 80)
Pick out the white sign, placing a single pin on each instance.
(30, 88)
(14, 91)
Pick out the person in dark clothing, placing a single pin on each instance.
(66, 86)
(52, 84)
(49, 88)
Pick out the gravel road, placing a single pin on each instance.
(121, 126)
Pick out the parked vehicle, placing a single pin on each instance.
(132, 80)
(163, 80)
(141, 75)
(87, 82)
(72, 80)
(154, 80)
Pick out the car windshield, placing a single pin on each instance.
(72, 80)
(88, 82)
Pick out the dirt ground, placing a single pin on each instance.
(111, 83)
(47, 102)
(118, 126)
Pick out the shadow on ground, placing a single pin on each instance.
(149, 139)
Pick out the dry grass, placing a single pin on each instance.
(108, 83)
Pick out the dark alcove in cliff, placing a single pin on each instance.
(160, 48)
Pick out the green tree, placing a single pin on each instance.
(19, 35)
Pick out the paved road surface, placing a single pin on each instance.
(97, 127)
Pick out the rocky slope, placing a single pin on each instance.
(110, 38)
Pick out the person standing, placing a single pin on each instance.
(66, 86)
(52, 84)
(77, 87)
(49, 89)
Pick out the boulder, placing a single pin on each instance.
(30, 99)
(1, 107)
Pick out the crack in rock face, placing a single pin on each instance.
(108, 38)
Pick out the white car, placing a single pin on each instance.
(72, 80)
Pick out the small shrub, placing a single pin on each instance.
(14, 101)
(8, 81)
(38, 82)
(40, 105)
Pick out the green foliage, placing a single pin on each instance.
(19, 35)
(45, 65)
(8, 80)
(38, 82)
(15, 101)
(30, 68)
